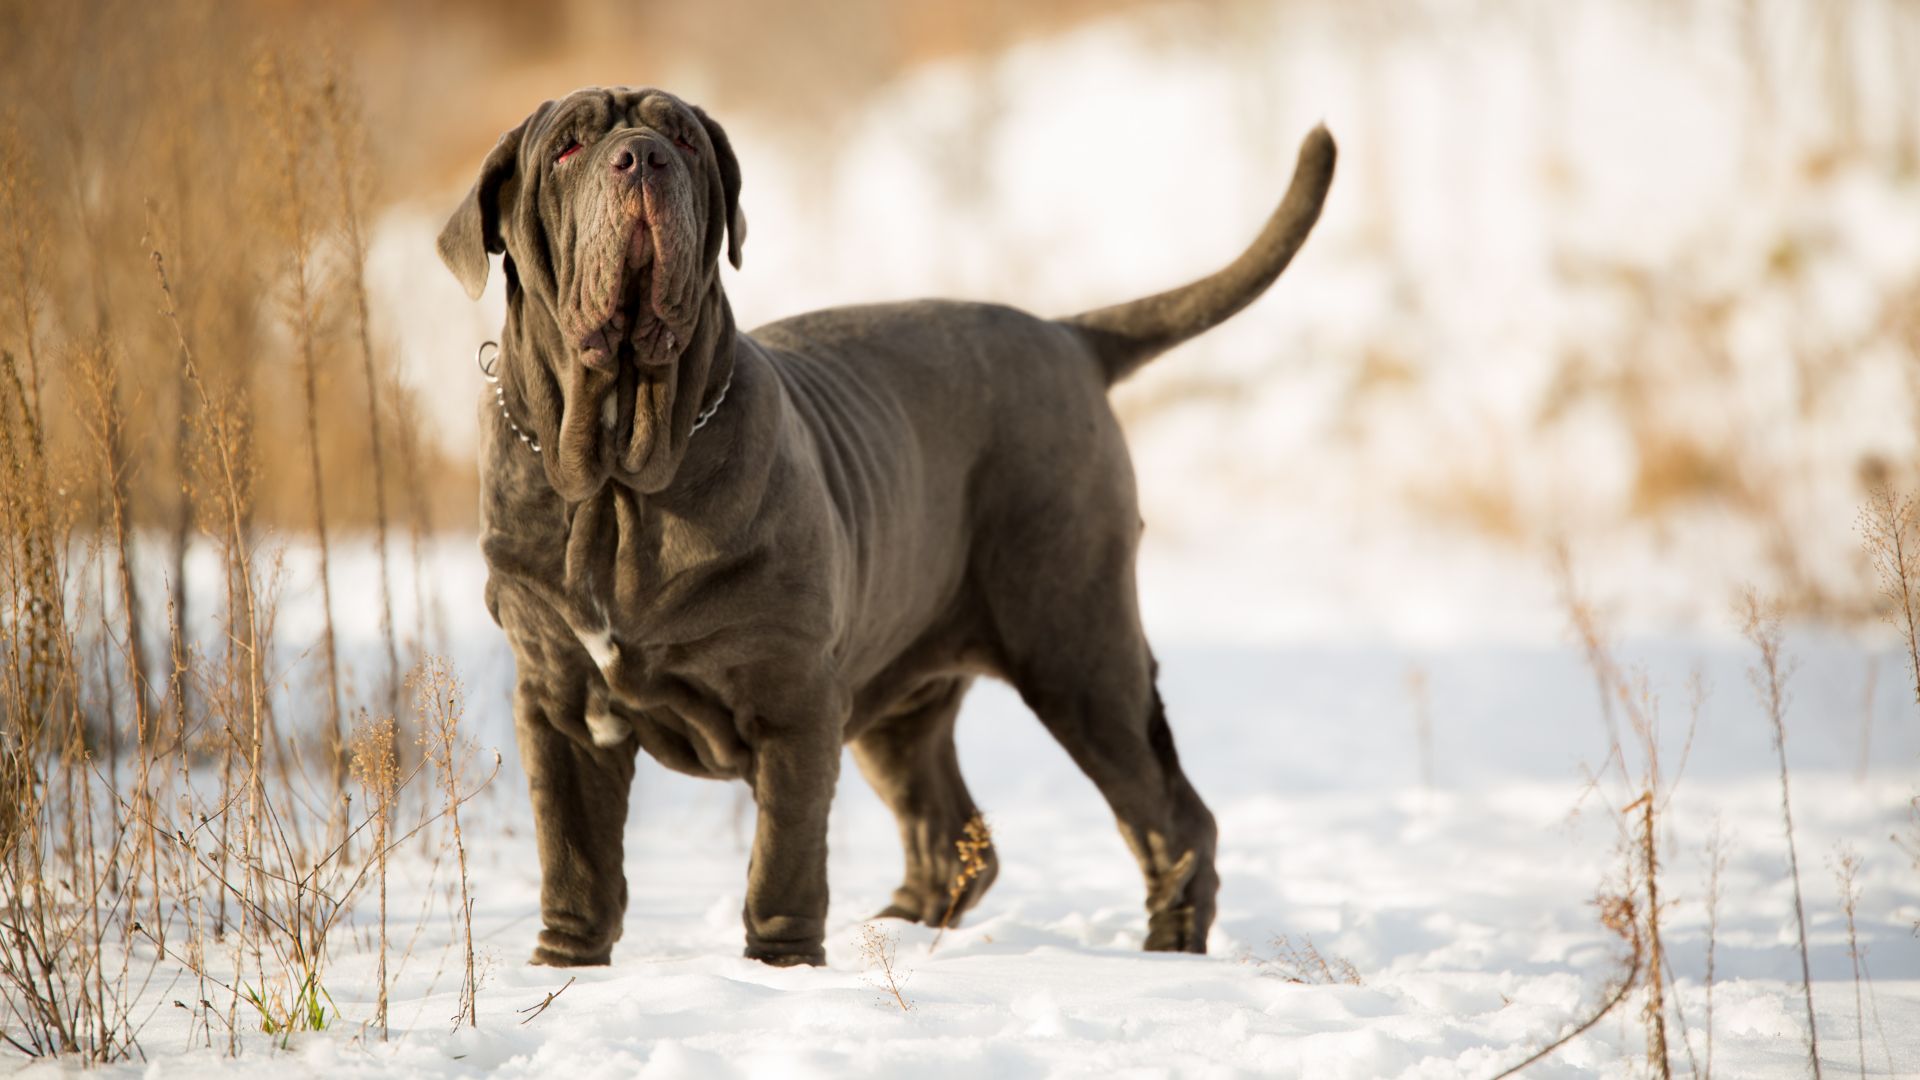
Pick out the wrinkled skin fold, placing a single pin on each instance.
(613, 297)
(893, 501)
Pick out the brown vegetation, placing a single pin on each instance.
(441, 703)
(1635, 793)
(1303, 963)
(971, 848)
(164, 832)
(1716, 865)
(1761, 625)
(877, 950)
(1889, 527)
(93, 87)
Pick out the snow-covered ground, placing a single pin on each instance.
(1464, 906)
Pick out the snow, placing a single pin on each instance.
(1464, 906)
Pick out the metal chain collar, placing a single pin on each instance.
(488, 363)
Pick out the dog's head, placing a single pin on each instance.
(611, 207)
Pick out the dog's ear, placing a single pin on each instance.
(473, 232)
(736, 220)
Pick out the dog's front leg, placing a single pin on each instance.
(794, 771)
(579, 819)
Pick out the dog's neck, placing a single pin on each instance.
(707, 369)
(577, 556)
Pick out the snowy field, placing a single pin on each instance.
(1463, 905)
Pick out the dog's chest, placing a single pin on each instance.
(607, 567)
(655, 602)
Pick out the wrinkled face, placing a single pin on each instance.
(619, 183)
(611, 207)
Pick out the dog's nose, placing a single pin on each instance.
(639, 154)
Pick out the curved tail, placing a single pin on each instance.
(1126, 336)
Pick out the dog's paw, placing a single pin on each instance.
(565, 950)
(779, 955)
(545, 957)
(1175, 930)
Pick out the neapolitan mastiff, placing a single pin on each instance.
(740, 552)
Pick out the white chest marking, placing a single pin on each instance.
(606, 729)
(600, 646)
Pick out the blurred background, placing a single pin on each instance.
(1639, 279)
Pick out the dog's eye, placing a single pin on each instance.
(572, 149)
(681, 142)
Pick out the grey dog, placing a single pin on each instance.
(742, 552)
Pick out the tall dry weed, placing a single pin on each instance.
(879, 952)
(1889, 528)
(970, 850)
(1716, 853)
(283, 108)
(377, 768)
(340, 118)
(441, 704)
(1760, 624)
(1618, 916)
(1636, 789)
(160, 829)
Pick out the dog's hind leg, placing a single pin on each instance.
(1070, 628)
(910, 761)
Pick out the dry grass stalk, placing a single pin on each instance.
(225, 434)
(534, 1010)
(1889, 527)
(440, 703)
(104, 420)
(283, 115)
(35, 534)
(1305, 964)
(1869, 692)
(1606, 674)
(182, 461)
(1716, 865)
(1761, 626)
(1617, 915)
(1846, 869)
(877, 949)
(1636, 795)
(1420, 693)
(408, 425)
(377, 769)
(36, 523)
(1847, 864)
(344, 134)
(227, 438)
(1909, 842)
(1654, 1015)
(64, 892)
(23, 250)
(43, 963)
(975, 839)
